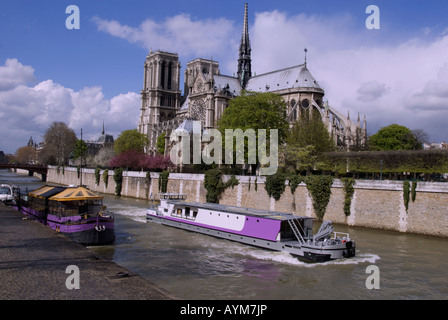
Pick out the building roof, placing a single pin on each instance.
(292, 77)
(189, 126)
(186, 103)
(227, 82)
(106, 138)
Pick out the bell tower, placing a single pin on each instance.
(160, 95)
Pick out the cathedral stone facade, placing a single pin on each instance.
(207, 93)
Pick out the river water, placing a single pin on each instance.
(388, 265)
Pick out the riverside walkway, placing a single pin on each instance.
(34, 261)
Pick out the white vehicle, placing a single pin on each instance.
(6, 193)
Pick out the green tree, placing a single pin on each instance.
(394, 137)
(300, 158)
(320, 189)
(275, 185)
(215, 186)
(130, 140)
(256, 111)
(80, 149)
(161, 144)
(307, 139)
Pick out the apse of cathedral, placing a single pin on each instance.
(207, 93)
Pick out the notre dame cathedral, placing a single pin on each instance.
(207, 93)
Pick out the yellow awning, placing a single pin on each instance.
(40, 192)
(78, 193)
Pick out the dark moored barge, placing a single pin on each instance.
(75, 211)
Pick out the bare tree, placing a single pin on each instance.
(25, 154)
(59, 142)
(421, 136)
(103, 157)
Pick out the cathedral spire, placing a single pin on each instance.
(244, 60)
(306, 50)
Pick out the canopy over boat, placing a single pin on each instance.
(64, 193)
(78, 193)
(46, 191)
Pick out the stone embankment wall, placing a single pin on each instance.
(375, 204)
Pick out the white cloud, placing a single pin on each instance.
(29, 110)
(13, 73)
(177, 33)
(371, 91)
(390, 82)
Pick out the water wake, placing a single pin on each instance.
(135, 213)
(286, 258)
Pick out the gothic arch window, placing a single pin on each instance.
(293, 103)
(305, 104)
(150, 75)
(294, 109)
(162, 116)
(162, 75)
(170, 70)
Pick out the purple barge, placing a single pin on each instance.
(278, 231)
(76, 212)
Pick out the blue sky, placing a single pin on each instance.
(397, 74)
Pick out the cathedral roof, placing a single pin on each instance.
(185, 104)
(190, 126)
(186, 125)
(221, 82)
(292, 77)
(106, 138)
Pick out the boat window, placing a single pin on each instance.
(5, 190)
(179, 211)
(76, 207)
(195, 213)
(187, 211)
(69, 208)
(37, 204)
(285, 231)
(54, 207)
